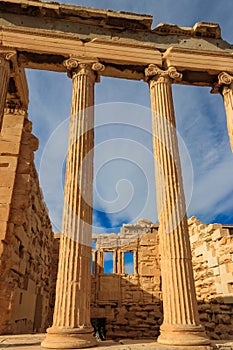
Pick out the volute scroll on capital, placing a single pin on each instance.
(225, 79)
(225, 82)
(83, 67)
(6, 55)
(157, 74)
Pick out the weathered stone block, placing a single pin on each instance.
(200, 250)
(213, 262)
(7, 181)
(8, 147)
(5, 195)
(4, 212)
(194, 238)
(13, 122)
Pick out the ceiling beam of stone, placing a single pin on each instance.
(45, 34)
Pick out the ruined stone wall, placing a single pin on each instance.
(132, 303)
(129, 302)
(212, 249)
(26, 237)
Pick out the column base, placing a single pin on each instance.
(69, 338)
(183, 335)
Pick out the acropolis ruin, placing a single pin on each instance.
(179, 290)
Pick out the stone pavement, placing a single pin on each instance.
(32, 342)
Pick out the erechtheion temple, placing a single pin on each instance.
(180, 285)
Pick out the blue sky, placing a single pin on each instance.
(124, 187)
(128, 262)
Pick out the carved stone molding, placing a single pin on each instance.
(15, 107)
(15, 111)
(76, 66)
(160, 75)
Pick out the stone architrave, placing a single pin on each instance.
(181, 326)
(5, 57)
(71, 321)
(226, 81)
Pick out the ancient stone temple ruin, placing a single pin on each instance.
(87, 43)
(126, 296)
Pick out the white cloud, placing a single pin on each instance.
(212, 188)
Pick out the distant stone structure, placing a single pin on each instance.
(129, 303)
(87, 43)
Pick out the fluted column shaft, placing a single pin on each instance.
(5, 57)
(225, 80)
(73, 290)
(181, 324)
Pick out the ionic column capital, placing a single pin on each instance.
(224, 86)
(225, 79)
(6, 55)
(76, 66)
(225, 82)
(156, 74)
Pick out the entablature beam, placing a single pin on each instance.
(46, 34)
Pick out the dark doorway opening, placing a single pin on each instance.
(99, 325)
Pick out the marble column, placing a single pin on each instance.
(5, 57)
(181, 326)
(71, 327)
(225, 81)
